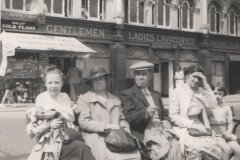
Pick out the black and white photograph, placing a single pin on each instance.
(120, 80)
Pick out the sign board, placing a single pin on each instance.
(18, 25)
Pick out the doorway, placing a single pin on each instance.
(162, 77)
(234, 77)
(63, 64)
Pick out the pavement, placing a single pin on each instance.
(14, 142)
(16, 107)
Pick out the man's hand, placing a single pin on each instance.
(150, 111)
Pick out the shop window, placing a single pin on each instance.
(187, 15)
(20, 5)
(94, 9)
(163, 13)
(214, 14)
(135, 11)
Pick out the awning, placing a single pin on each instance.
(58, 45)
(34, 42)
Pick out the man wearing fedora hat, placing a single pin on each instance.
(144, 111)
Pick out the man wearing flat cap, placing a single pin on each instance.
(144, 111)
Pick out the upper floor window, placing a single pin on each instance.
(135, 10)
(187, 14)
(20, 5)
(214, 17)
(234, 21)
(55, 7)
(163, 13)
(94, 9)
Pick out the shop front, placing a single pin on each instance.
(165, 49)
(28, 54)
(50, 40)
(225, 51)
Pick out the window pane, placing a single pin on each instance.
(93, 8)
(29, 5)
(218, 19)
(48, 4)
(160, 12)
(17, 4)
(212, 19)
(153, 14)
(232, 22)
(133, 11)
(141, 12)
(7, 4)
(69, 7)
(191, 18)
(184, 15)
(57, 6)
(167, 12)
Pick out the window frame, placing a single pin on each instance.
(164, 15)
(17, 10)
(215, 17)
(56, 14)
(188, 16)
(137, 14)
(235, 24)
(100, 16)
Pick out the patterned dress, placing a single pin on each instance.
(199, 148)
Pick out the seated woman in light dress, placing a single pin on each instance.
(187, 110)
(100, 111)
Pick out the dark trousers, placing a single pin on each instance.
(76, 150)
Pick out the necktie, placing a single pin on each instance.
(146, 92)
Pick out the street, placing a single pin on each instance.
(14, 143)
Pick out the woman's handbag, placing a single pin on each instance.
(68, 134)
(197, 133)
(120, 141)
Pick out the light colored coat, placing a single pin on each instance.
(48, 140)
(179, 105)
(94, 116)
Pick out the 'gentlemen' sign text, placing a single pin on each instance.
(80, 31)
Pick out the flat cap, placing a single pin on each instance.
(141, 66)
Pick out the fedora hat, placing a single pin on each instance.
(98, 71)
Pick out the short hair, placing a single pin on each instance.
(53, 69)
(222, 89)
(193, 68)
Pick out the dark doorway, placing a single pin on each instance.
(164, 79)
(234, 77)
(63, 64)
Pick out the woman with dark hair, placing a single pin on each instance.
(187, 111)
(49, 120)
(100, 112)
